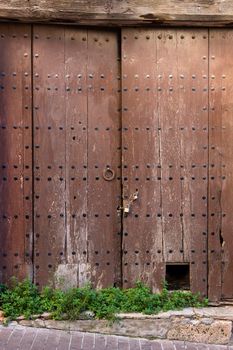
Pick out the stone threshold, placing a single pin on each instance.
(212, 325)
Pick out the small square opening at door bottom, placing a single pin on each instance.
(178, 276)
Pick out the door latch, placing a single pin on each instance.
(127, 203)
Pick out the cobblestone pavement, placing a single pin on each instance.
(26, 338)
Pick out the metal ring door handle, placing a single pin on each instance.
(108, 174)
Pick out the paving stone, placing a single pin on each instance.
(40, 339)
(195, 325)
(100, 341)
(4, 336)
(168, 345)
(27, 339)
(24, 338)
(203, 347)
(220, 312)
(156, 345)
(190, 346)
(111, 342)
(64, 341)
(217, 347)
(76, 341)
(179, 345)
(187, 312)
(14, 339)
(52, 340)
(144, 328)
(135, 345)
(217, 332)
(88, 341)
(145, 345)
(123, 343)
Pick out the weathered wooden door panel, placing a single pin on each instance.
(142, 230)
(221, 165)
(76, 151)
(174, 142)
(182, 61)
(49, 114)
(165, 153)
(104, 158)
(15, 154)
(77, 138)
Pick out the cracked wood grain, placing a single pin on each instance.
(115, 12)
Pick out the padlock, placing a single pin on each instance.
(135, 195)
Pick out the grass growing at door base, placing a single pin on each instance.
(23, 298)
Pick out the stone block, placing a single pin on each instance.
(215, 332)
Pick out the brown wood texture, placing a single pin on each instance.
(165, 153)
(142, 229)
(76, 136)
(104, 152)
(15, 155)
(170, 155)
(49, 99)
(221, 168)
(168, 68)
(76, 55)
(115, 12)
(190, 128)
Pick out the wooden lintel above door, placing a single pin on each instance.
(120, 13)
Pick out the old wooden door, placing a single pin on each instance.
(15, 152)
(220, 164)
(177, 157)
(78, 120)
(60, 155)
(77, 156)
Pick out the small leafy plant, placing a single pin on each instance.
(23, 298)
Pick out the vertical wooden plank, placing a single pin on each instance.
(93, 228)
(76, 55)
(192, 133)
(168, 111)
(165, 124)
(221, 168)
(49, 151)
(142, 231)
(77, 136)
(104, 157)
(15, 156)
(183, 101)
(215, 164)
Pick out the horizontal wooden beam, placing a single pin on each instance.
(120, 12)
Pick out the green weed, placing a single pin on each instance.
(23, 298)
